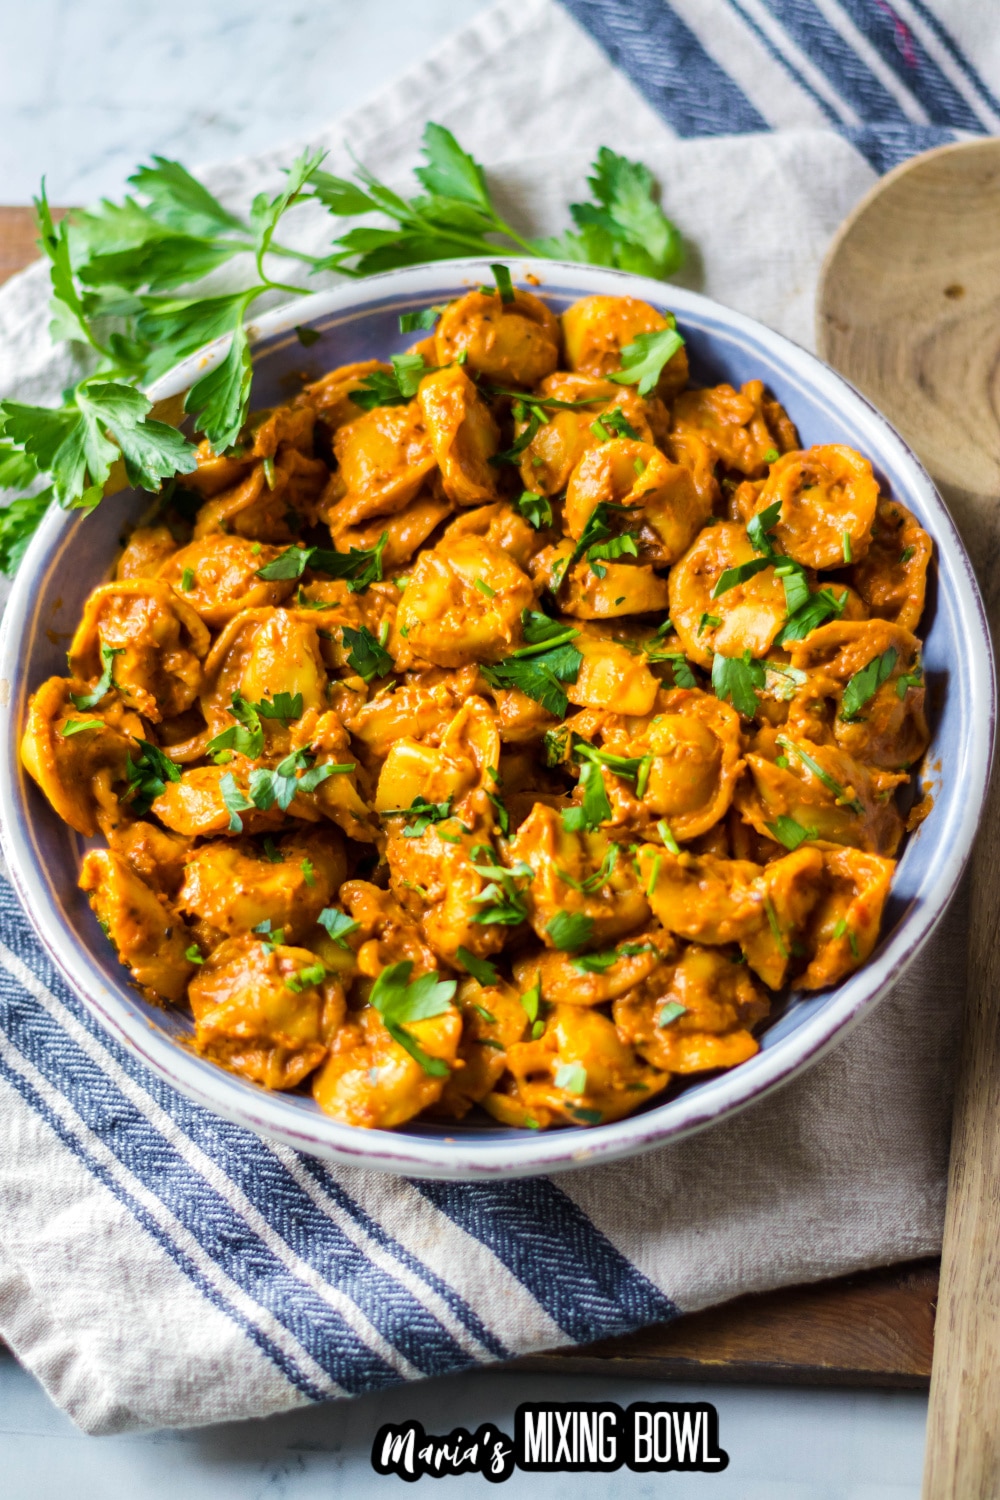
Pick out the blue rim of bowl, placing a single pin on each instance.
(460, 1157)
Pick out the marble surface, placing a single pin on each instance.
(782, 1445)
(87, 89)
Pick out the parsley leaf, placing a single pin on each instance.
(730, 578)
(359, 567)
(338, 925)
(760, 526)
(818, 607)
(624, 226)
(502, 902)
(365, 653)
(104, 683)
(504, 285)
(235, 801)
(395, 388)
(77, 726)
(540, 668)
(830, 782)
(424, 318)
(536, 509)
(787, 831)
(616, 546)
(570, 930)
(594, 807)
(294, 774)
(246, 737)
(737, 679)
(284, 706)
(866, 683)
(479, 968)
(644, 358)
(423, 812)
(613, 424)
(572, 1077)
(400, 1002)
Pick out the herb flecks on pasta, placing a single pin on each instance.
(498, 725)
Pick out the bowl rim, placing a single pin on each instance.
(460, 1157)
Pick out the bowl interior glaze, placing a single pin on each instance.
(73, 552)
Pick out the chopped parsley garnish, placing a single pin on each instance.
(271, 854)
(338, 925)
(284, 706)
(846, 543)
(912, 679)
(395, 387)
(484, 588)
(772, 920)
(504, 285)
(654, 876)
(667, 835)
(366, 654)
(593, 882)
(502, 815)
(572, 1077)
(842, 928)
(730, 578)
(308, 871)
(787, 831)
(480, 968)
(570, 930)
(187, 580)
(672, 1011)
(358, 568)
(597, 529)
(246, 737)
(193, 954)
(424, 318)
(866, 683)
(295, 774)
(536, 509)
(679, 666)
(502, 902)
(148, 776)
(819, 607)
(532, 999)
(905, 555)
(612, 424)
(304, 978)
(737, 679)
(644, 358)
(104, 683)
(708, 620)
(616, 546)
(594, 807)
(760, 526)
(596, 963)
(400, 1002)
(422, 812)
(539, 669)
(235, 801)
(77, 726)
(832, 785)
(771, 456)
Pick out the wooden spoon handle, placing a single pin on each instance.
(908, 309)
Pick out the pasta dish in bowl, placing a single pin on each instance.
(513, 740)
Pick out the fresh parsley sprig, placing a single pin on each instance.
(129, 292)
(400, 1002)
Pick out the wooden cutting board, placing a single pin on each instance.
(873, 1329)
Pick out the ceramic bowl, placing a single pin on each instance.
(72, 553)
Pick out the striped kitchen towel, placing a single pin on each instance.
(161, 1267)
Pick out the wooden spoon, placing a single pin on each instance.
(909, 310)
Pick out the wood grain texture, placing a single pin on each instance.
(17, 239)
(875, 1328)
(909, 311)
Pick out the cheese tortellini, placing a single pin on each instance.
(495, 728)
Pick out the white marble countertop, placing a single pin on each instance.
(88, 88)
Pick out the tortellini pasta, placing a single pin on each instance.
(495, 728)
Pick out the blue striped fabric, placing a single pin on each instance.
(891, 78)
(317, 1282)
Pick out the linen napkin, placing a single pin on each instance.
(161, 1267)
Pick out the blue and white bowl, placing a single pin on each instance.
(72, 553)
